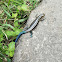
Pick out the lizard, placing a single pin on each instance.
(31, 27)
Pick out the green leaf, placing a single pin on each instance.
(17, 31)
(11, 49)
(11, 54)
(14, 15)
(10, 33)
(24, 7)
(16, 23)
(11, 46)
(18, 7)
(8, 25)
(7, 53)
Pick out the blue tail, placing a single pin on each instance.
(19, 36)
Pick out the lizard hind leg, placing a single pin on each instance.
(31, 33)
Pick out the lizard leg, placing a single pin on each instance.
(31, 34)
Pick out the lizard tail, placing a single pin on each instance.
(19, 35)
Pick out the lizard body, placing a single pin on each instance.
(32, 26)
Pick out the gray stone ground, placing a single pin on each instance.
(46, 43)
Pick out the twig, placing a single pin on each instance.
(5, 20)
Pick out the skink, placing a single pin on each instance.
(32, 26)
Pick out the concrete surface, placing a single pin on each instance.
(46, 43)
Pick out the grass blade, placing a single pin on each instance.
(8, 25)
(22, 20)
(7, 13)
